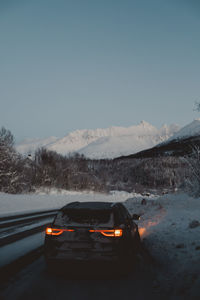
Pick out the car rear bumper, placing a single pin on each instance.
(82, 256)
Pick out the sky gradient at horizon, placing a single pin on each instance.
(68, 65)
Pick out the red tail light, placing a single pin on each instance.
(111, 232)
(55, 231)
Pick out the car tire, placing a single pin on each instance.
(137, 243)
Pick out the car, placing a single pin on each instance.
(92, 231)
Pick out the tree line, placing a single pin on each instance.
(19, 174)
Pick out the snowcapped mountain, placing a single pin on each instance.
(104, 143)
(29, 146)
(181, 143)
(190, 130)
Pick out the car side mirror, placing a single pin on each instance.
(135, 217)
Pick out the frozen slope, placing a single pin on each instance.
(134, 139)
(29, 146)
(110, 147)
(109, 142)
(192, 129)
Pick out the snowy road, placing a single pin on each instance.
(170, 230)
(89, 283)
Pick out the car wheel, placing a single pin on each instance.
(137, 243)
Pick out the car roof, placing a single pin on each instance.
(93, 205)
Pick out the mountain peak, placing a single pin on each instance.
(144, 123)
(105, 142)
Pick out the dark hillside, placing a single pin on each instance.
(177, 148)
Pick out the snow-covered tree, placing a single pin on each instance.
(197, 106)
(193, 163)
(13, 175)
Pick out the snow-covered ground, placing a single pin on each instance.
(169, 227)
(51, 199)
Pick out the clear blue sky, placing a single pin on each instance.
(75, 64)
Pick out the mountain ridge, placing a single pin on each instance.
(182, 143)
(103, 142)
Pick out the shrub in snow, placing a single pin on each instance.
(192, 182)
(194, 224)
(144, 202)
(179, 246)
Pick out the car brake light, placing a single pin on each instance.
(110, 233)
(55, 231)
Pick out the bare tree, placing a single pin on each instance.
(197, 106)
(192, 182)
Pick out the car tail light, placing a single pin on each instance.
(110, 232)
(55, 231)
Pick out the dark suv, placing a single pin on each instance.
(92, 231)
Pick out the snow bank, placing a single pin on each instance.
(170, 228)
(51, 199)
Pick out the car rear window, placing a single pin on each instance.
(83, 216)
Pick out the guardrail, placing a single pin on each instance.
(20, 226)
(20, 218)
(22, 239)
